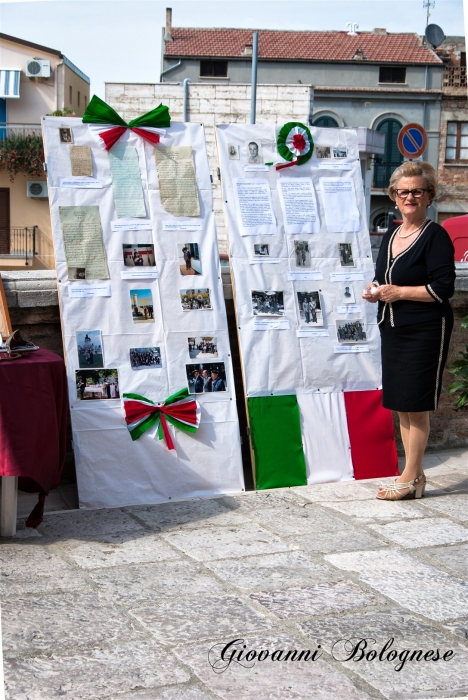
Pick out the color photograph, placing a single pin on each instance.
(302, 253)
(89, 346)
(345, 251)
(267, 303)
(97, 384)
(206, 377)
(195, 299)
(189, 259)
(349, 332)
(145, 358)
(138, 255)
(203, 347)
(142, 305)
(310, 308)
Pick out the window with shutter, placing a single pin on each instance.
(4, 221)
(392, 158)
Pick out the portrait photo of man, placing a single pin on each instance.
(254, 152)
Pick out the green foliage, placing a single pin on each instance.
(22, 154)
(65, 112)
(459, 369)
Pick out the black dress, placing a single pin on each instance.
(415, 335)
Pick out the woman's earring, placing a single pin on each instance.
(396, 206)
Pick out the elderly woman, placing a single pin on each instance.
(414, 279)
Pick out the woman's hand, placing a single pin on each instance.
(371, 293)
(389, 293)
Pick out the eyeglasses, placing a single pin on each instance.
(417, 193)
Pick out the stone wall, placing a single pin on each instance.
(452, 198)
(210, 105)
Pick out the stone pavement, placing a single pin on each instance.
(137, 603)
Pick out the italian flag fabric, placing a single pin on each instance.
(321, 437)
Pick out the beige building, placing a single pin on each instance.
(34, 81)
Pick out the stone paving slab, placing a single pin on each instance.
(377, 510)
(206, 544)
(147, 583)
(269, 680)
(455, 505)
(254, 500)
(187, 514)
(63, 621)
(118, 549)
(421, 679)
(340, 539)
(344, 491)
(271, 571)
(409, 582)
(413, 534)
(455, 558)
(450, 480)
(177, 692)
(89, 674)
(88, 522)
(190, 619)
(322, 599)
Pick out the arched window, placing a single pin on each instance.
(392, 158)
(326, 121)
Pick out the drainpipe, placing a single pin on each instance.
(176, 65)
(253, 89)
(186, 95)
(426, 83)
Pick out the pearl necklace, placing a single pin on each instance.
(412, 232)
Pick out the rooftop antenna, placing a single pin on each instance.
(354, 26)
(429, 4)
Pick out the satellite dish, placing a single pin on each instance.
(434, 34)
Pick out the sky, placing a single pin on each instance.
(120, 40)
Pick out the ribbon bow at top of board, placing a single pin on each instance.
(110, 126)
(295, 144)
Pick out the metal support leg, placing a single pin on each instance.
(9, 505)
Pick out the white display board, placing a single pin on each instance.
(113, 470)
(312, 245)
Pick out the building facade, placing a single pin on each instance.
(34, 81)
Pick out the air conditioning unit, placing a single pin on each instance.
(37, 189)
(37, 68)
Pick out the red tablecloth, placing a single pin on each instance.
(33, 422)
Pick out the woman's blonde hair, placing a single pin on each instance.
(414, 169)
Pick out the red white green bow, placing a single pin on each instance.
(180, 409)
(295, 144)
(110, 126)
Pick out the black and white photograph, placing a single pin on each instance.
(189, 259)
(347, 294)
(345, 251)
(65, 134)
(89, 346)
(261, 250)
(233, 151)
(195, 299)
(340, 152)
(254, 151)
(267, 303)
(142, 305)
(322, 151)
(349, 332)
(302, 253)
(203, 347)
(206, 377)
(145, 358)
(76, 273)
(97, 384)
(310, 308)
(136, 255)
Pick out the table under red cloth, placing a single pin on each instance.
(33, 423)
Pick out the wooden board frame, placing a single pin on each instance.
(5, 322)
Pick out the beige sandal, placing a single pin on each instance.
(393, 491)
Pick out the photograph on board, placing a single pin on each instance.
(138, 255)
(76, 273)
(340, 152)
(203, 347)
(254, 151)
(310, 308)
(206, 377)
(189, 259)
(345, 251)
(142, 305)
(347, 294)
(349, 332)
(233, 151)
(97, 384)
(145, 358)
(267, 303)
(322, 151)
(89, 346)
(261, 250)
(302, 253)
(65, 134)
(195, 299)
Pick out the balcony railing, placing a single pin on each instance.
(454, 78)
(17, 243)
(12, 129)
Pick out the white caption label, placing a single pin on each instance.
(346, 276)
(312, 332)
(88, 291)
(264, 261)
(139, 275)
(340, 349)
(123, 225)
(300, 275)
(182, 226)
(81, 182)
(348, 309)
(335, 166)
(256, 168)
(269, 325)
